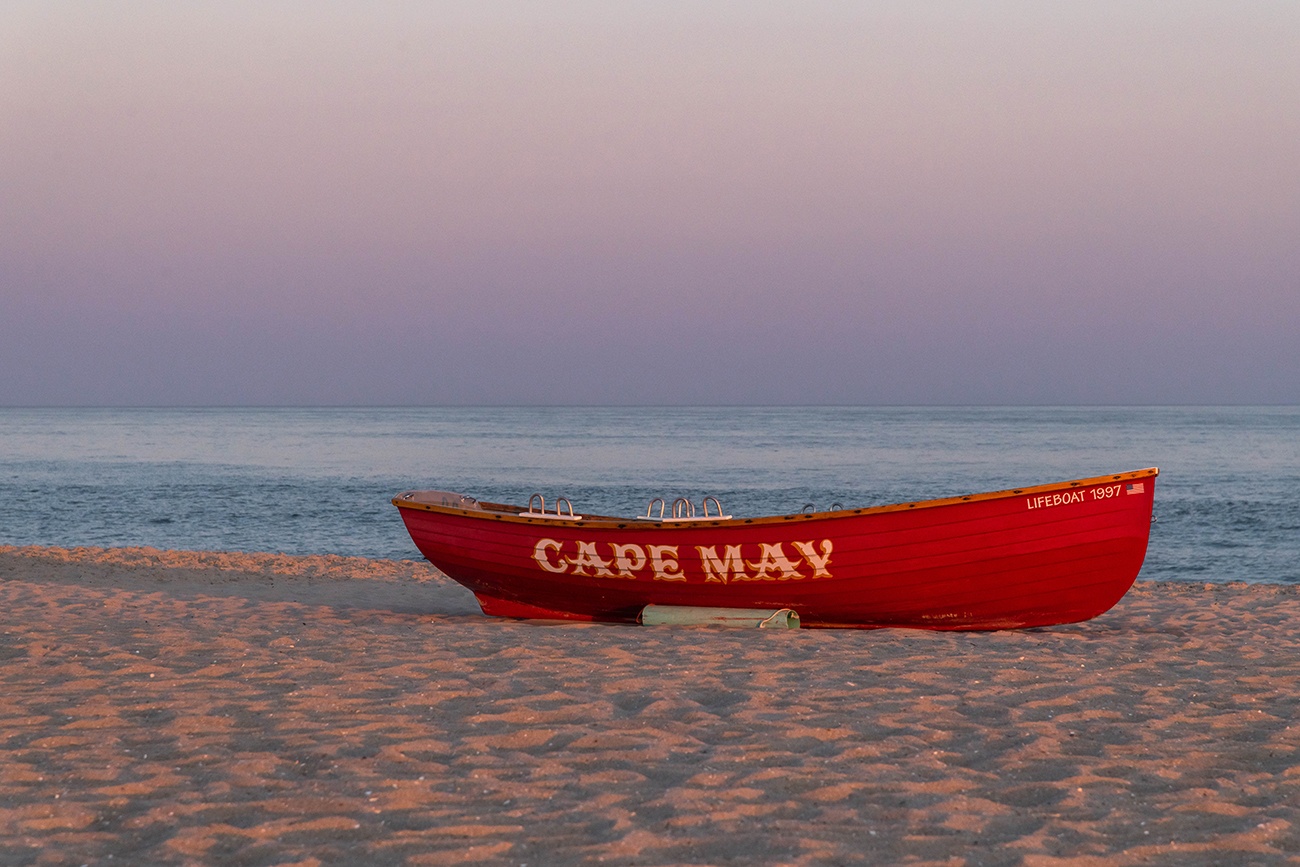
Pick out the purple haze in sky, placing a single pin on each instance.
(649, 203)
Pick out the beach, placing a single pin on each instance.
(182, 707)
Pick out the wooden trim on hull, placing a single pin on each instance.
(510, 513)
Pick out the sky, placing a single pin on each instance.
(595, 203)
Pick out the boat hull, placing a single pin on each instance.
(1027, 557)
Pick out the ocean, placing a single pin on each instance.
(320, 481)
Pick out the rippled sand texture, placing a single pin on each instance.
(168, 707)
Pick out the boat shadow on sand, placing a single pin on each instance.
(399, 587)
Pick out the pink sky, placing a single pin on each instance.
(663, 202)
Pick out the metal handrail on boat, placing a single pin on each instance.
(704, 505)
(540, 511)
(683, 510)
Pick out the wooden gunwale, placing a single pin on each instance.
(509, 514)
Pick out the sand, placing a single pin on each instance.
(171, 707)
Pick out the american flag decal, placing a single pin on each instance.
(1136, 488)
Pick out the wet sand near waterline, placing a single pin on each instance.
(173, 707)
